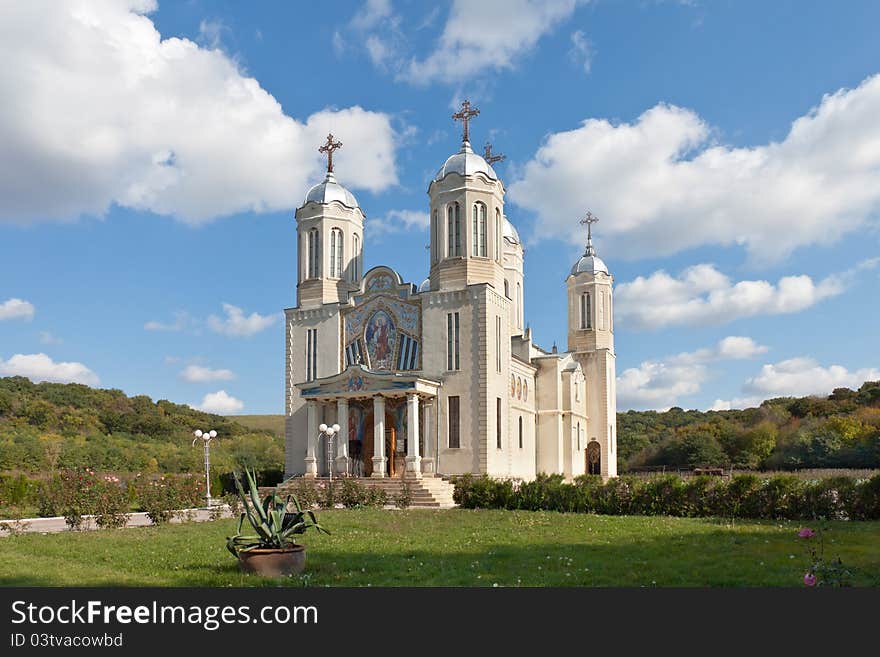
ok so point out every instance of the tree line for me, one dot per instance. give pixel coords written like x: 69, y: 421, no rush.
x: 841, y: 430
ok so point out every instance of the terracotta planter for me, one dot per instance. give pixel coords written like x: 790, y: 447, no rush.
x: 273, y: 562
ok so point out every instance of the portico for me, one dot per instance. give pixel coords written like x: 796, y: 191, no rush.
x: 385, y: 423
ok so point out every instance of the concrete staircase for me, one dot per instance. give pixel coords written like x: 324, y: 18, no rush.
x: 429, y: 492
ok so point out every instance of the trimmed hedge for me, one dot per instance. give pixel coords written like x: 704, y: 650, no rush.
x: 743, y: 496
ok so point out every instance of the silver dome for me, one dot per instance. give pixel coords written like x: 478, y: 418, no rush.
x: 425, y: 286
x: 465, y: 163
x: 328, y: 191
x: 509, y: 232
x: 591, y: 264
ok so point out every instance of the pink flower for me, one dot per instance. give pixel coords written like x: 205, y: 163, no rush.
x: 806, y: 532
x: 809, y: 579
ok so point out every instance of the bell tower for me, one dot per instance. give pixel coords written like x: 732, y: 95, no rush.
x: 330, y: 230
x: 591, y: 340
x: 467, y: 217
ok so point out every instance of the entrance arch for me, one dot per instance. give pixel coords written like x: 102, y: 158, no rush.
x: 368, y: 445
x: 594, y: 458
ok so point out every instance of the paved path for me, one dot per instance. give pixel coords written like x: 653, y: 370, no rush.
x: 140, y: 519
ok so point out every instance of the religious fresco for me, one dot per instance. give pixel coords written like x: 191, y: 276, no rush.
x: 380, y: 336
x: 379, y: 282
x: 383, y: 333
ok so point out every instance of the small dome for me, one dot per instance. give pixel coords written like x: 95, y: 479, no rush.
x: 510, y: 233
x: 465, y: 163
x: 328, y: 191
x: 589, y: 263
x: 425, y: 286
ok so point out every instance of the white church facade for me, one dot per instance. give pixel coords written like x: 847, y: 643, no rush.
x: 442, y: 378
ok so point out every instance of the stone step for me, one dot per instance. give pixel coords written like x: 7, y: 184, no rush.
x: 429, y: 492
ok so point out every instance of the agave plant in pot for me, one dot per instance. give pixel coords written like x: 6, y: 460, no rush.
x: 276, y: 522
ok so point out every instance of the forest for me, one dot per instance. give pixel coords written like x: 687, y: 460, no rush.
x: 841, y: 430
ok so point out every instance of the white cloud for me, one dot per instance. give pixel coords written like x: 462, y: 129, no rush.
x: 47, y: 337
x: 798, y: 377
x: 582, y: 51
x: 237, y: 324
x: 39, y: 367
x: 200, y: 374
x: 489, y: 35
x: 219, y: 402
x: 16, y: 309
x: 662, y: 185
x: 738, y: 402
x: 100, y: 110
x: 396, y: 221
x: 181, y: 321
x: 658, y: 384
x: 371, y: 14
x: 703, y: 295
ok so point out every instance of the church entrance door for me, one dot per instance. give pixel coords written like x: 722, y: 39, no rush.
x: 368, y: 447
x: 594, y: 458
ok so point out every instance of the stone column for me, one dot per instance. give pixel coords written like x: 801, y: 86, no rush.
x: 413, y: 459
x: 311, y: 439
x: 379, y: 459
x: 428, y: 458
x: 342, y: 437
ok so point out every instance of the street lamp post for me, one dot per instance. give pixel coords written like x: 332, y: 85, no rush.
x: 329, y: 431
x: 206, y: 437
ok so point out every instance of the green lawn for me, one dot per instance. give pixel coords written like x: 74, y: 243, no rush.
x: 453, y: 548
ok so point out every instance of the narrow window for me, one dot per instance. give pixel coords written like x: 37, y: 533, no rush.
x: 497, y: 235
x: 498, y: 422
x: 314, y: 254
x: 356, y: 246
x: 453, y: 356
x: 600, y: 321
x: 579, y: 436
x: 519, y: 300
x: 454, y: 230
x: 311, y: 354
x: 480, y: 230
x: 335, y: 253
x: 586, y: 311
x: 520, y: 432
x: 498, y: 343
x: 434, y: 238
x: 454, y: 421
x: 507, y: 288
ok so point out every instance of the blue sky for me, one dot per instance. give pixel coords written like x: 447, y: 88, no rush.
x: 153, y: 155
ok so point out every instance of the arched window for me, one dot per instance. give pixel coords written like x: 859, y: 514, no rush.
x: 480, y: 230
x: 519, y: 299
x: 586, y: 311
x: 435, y: 238
x: 453, y: 221
x: 497, y: 234
x: 335, y: 253
x: 520, y: 432
x: 355, y: 256
x: 314, y: 256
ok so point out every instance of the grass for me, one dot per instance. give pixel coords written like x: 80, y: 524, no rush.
x: 457, y: 547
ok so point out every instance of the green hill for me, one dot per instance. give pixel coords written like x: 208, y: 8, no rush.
x: 47, y: 426
x: 273, y: 423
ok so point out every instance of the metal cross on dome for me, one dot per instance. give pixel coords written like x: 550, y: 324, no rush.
x: 465, y: 114
x: 589, y: 220
x: 487, y: 154
x: 328, y: 148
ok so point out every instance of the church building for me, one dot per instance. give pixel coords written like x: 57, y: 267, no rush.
x: 442, y: 378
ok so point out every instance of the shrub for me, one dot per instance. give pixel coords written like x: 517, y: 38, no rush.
x: 403, y: 500
x: 782, y: 496
x: 163, y: 497
x: 866, y: 505
x: 111, y: 503
x: 305, y: 490
x: 661, y: 496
